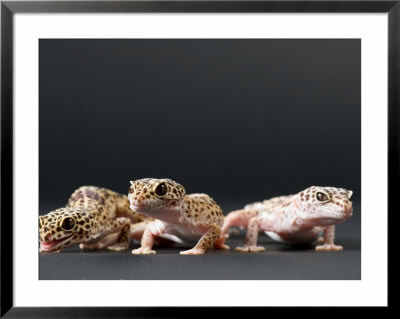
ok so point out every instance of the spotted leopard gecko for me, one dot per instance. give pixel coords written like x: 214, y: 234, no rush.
x: 293, y: 219
x: 94, y: 217
x: 177, y: 216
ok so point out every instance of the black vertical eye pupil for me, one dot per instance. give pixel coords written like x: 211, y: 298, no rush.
x: 161, y: 189
x: 68, y: 223
x: 322, y: 197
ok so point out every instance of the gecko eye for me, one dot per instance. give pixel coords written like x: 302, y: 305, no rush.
x: 68, y: 224
x: 322, y: 197
x: 131, y: 189
x: 161, y: 190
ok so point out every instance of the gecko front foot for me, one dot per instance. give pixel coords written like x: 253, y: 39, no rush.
x: 193, y: 251
x: 250, y: 249
x: 47, y: 251
x: 143, y: 251
x: 93, y: 246
x: 118, y: 247
x: 328, y: 247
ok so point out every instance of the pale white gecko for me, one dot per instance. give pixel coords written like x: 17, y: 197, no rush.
x: 294, y: 219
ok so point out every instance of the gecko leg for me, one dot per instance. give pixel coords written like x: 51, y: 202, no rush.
x: 235, y: 218
x: 153, y: 229
x: 251, y: 237
x: 123, y: 240
x: 137, y: 230
x: 329, y: 236
x: 206, y: 241
x: 117, y: 239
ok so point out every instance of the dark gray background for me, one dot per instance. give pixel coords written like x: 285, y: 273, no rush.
x: 242, y: 120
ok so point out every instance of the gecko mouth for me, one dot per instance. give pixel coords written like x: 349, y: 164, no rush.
x: 53, y: 245
x: 141, y: 207
x: 329, y: 217
x: 137, y: 207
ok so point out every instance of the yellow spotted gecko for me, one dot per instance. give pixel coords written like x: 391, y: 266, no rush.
x: 176, y: 216
x: 94, y: 217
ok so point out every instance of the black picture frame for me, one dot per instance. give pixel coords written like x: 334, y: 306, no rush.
x: 9, y: 8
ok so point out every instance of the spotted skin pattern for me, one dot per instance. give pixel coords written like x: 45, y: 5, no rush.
x: 94, y: 217
x: 294, y: 219
x: 193, y: 217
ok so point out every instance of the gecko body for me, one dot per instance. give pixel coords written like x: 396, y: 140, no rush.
x: 293, y: 219
x: 176, y: 216
x: 94, y: 218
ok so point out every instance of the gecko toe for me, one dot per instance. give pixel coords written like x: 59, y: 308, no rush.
x: 193, y: 251
x: 118, y: 247
x: 328, y: 248
x: 141, y: 251
x: 250, y: 249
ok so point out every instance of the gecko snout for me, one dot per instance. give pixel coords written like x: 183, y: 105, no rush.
x: 139, y: 200
x: 349, y: 194
x: 349, y: 209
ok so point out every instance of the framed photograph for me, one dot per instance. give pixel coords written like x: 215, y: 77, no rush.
x: 192, y: 151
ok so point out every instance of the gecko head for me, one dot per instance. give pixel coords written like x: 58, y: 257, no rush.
x: 324, y: 206
x: 149, y: 194
x: 63, y: 227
